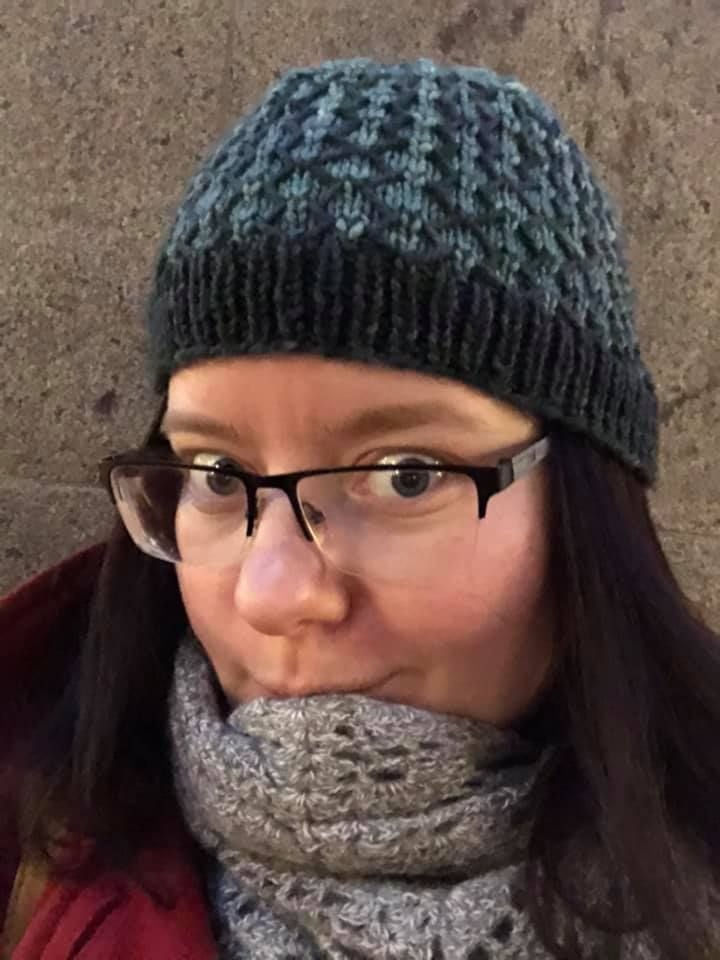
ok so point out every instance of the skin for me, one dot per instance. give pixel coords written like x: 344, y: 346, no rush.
x: 476, y: 641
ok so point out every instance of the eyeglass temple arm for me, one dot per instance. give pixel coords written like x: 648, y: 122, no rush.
x: 522, y: 463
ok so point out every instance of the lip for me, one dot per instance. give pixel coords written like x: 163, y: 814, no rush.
x: 300, y: 692
x: 296, y: 692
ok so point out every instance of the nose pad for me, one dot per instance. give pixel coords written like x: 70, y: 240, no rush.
x: 307, y: 517
x: 266, y: 498
x: 314, y: 516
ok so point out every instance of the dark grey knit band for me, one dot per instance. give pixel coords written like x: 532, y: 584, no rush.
x: 426, y: 217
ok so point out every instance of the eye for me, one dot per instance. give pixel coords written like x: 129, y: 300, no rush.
x: 405, y: 483
x: 219, y: 484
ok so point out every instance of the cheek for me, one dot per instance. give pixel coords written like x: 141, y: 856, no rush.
x: 201, y: 596
x: 208, y: 600
x: 512, y: 550
x: 502, y: 589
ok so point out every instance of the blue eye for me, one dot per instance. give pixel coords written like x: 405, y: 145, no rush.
x: 408, y: 484
x: 219, y: 484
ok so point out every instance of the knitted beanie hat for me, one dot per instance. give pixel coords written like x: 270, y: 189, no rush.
x: 423, y: 216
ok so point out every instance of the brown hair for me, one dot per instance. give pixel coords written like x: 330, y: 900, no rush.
x: 635, y: 702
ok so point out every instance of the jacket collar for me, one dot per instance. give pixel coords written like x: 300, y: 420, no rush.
x: 32, y: 612
x: 32, y: 618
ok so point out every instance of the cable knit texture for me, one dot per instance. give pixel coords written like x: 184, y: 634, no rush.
x: 342, y: 827
x: 417, y: 215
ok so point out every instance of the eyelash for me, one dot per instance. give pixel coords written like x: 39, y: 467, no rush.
x: 186, y: 455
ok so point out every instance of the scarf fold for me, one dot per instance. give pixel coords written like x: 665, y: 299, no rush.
x: 346, y: 827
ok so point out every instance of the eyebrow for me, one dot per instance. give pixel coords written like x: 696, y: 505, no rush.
x: 358, y: 426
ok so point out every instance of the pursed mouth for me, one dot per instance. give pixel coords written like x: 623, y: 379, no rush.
x: 299, y: 691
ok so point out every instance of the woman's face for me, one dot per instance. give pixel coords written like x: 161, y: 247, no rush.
x: 468, y: 632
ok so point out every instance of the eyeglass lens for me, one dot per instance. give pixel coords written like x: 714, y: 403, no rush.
x: 393, y: 525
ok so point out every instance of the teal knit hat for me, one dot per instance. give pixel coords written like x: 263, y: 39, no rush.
x: 422, y: 216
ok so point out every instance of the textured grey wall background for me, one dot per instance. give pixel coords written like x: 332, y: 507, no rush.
x: 105, y: 109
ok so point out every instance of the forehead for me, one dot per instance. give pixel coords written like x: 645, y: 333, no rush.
x: 241, y: 389
x: 291, y: 395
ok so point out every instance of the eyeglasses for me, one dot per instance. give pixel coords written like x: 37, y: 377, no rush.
x: 396, y: 522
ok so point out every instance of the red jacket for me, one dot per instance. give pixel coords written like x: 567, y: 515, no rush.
x: 115, y: 915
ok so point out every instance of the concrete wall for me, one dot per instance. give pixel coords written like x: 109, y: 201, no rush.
x: 105, y: 110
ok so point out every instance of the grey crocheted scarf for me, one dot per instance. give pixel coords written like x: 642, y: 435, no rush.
x: 345, y: 827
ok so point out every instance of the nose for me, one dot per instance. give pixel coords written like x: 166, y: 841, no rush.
x: 285, y: 583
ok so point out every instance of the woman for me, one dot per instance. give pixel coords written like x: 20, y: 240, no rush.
x: 383, y: 658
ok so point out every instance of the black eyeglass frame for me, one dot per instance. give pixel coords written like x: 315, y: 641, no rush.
x: 488, y: 480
